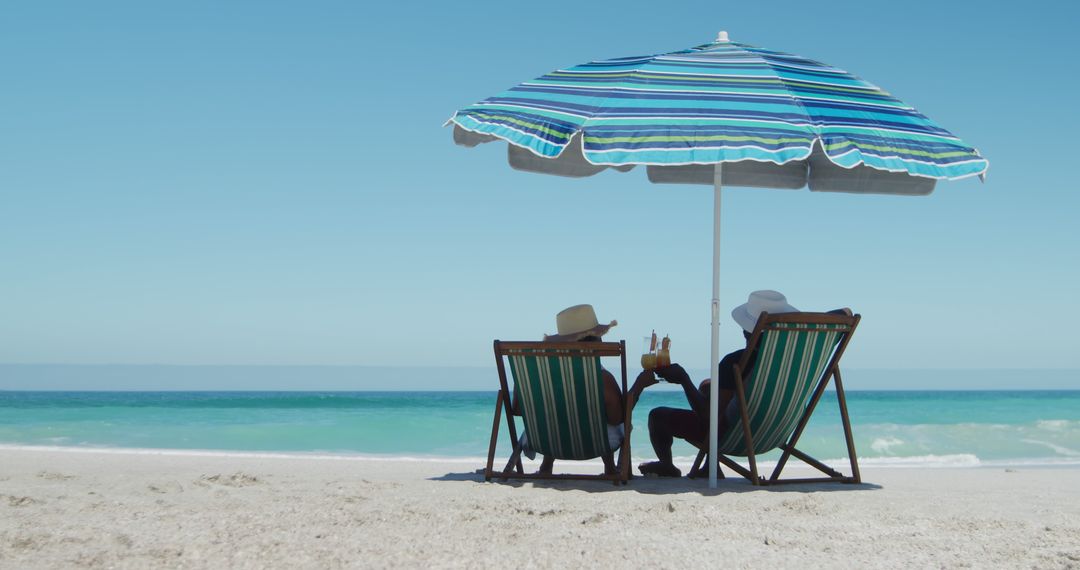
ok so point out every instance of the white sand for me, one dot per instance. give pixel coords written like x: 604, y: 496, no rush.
x: 74, y: 509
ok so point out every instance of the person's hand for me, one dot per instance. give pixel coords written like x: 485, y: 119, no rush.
x: 646, y: 379
x: 673, y: 373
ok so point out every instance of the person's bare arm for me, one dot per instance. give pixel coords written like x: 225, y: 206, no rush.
x: 612, y: 398
x: 675, y: 374
x: 643, y: 380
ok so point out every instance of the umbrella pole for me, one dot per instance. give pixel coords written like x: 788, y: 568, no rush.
x: 714, y: 354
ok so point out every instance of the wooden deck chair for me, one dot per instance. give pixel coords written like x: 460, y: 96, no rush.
x: 560, y: 392
x: 797, y: 355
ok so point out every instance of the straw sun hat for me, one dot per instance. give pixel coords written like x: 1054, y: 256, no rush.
x: 764, y: 301
x: 577, y: 322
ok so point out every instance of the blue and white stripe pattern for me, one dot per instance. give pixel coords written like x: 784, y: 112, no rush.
x: 720, y: 102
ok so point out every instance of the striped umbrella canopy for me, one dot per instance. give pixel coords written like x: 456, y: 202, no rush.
x: 723, y: 113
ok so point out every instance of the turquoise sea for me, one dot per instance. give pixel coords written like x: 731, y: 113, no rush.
x: 902, y: 428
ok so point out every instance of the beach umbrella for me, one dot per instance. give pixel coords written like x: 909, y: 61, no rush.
x: 720, y: 114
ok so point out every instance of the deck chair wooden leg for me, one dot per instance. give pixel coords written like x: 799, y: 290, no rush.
x: 790, y: 449
x: 514, y: 464
x: 726, y: 461
x: 695, y: 470
x: 756, y: 477
x: 622, y: 467
x: 494, y: 437
x: 818, y: 391
x: 629, y: 401
x: 813, y: 462
x: 515, y: 457
x: 507, y: 402
x: 744, y: 417
x: 847, y: 428
x: 781, y: 463
x: 701, y: 454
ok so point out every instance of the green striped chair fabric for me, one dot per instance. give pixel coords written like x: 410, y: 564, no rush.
x: 562, y: 405
x: 791, y: 359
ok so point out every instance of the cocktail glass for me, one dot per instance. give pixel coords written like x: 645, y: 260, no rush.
x: 648, y: 357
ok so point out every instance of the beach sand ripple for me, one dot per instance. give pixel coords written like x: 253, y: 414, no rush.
x: 89, y: 510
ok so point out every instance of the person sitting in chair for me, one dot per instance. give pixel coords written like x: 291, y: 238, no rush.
x: 665, y: 424
x: 579, y: 324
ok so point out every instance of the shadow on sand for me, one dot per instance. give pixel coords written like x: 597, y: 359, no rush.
x: 660, y: 485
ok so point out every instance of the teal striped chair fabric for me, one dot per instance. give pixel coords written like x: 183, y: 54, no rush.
x: 791, y: 359
x: 562, y: 405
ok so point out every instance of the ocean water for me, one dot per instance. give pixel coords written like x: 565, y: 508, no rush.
x: 900, y: 428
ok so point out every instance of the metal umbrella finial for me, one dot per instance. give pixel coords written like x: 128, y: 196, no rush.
x: 722, y: 37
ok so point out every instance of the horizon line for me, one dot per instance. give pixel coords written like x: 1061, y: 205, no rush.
x: 666, y: 388
x: 1017, y: 369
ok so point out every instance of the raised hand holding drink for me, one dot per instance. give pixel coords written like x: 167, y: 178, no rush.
x: 663, y: 356
x: 648, y: 359
x: 657, y: 356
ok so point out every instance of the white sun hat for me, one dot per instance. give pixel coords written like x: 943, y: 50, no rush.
x: 764, y: 301
x: 577, y: 322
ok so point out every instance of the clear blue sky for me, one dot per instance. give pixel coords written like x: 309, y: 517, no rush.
x: 270, y: 183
